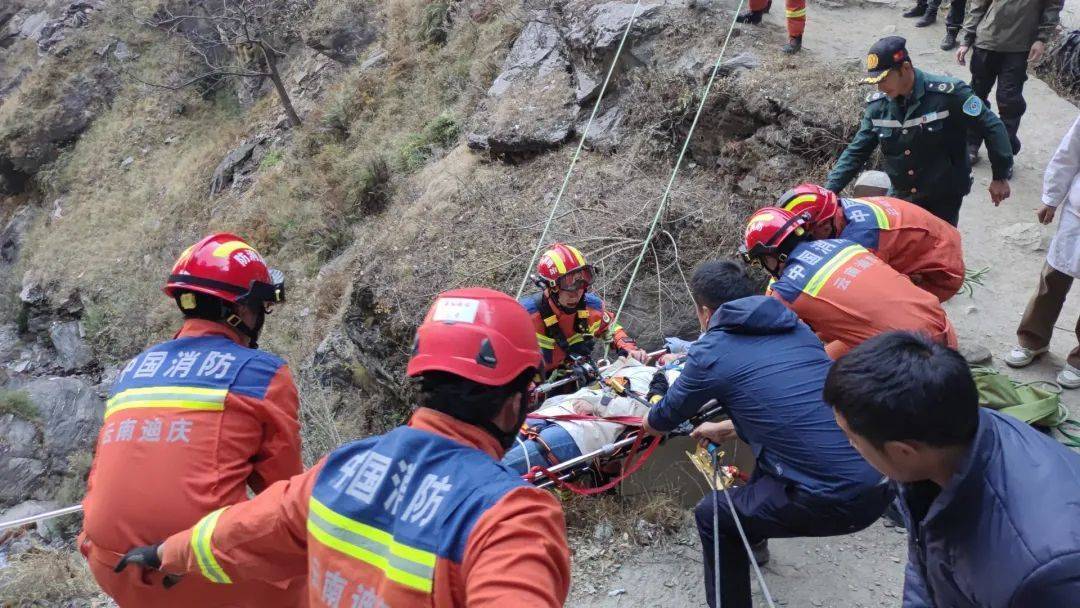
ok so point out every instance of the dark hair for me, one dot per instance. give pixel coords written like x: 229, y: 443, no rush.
x: 718, y: 282
x: 904, y: 386
x: 466, y: 400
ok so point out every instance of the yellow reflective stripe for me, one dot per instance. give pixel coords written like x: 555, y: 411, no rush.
x: 545, y: 342
x: 879, y: 213
x: 204, y: 553
x: 574, y: 339
x: 225, y: 249
x: 796, y: 13
x: 387, y: 550
x: 798, y: 200
x: 182, y: 397
x: 594, y: 327
x: 552, y: 320
x: 560, y: 264
x: 583, y: 314
x: 816, y: 282
x: 580, y: 259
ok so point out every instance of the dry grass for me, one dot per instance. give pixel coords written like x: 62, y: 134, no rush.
x: 43, y: 576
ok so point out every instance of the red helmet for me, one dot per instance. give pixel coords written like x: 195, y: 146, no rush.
x: 479, y: 334
x: 768, y: 232
x: 564, y: 267
x: 819, y: 203
x: 224, y: 266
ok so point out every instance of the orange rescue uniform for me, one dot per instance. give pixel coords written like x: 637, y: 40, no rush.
x: 909, y: 238
x: 591, y: 320
x: 794, y: 10
x: 847, y: 295
x: 422, y: 516
x: 190, y: 425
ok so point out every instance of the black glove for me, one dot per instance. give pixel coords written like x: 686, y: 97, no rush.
x: 658, y: 386
x: 582, y: 349
x: 144, y: 557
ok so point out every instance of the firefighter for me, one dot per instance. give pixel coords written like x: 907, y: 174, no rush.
x: 841, y: 290
x: 905, y: 236
x: 794, y: 10
x: 424, y: 515
x: 191, y: 424
x: 566, y: 315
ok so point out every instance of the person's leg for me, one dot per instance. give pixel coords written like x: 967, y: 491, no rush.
x: 795, y: 10
x: 1037, y: 324
x: 954, y: 20
x: 984, y: 70
x: 930, y: 16
x: 1010, y: 94
x: 754, y: 12
x: 916, y: 11
x: 560, y: 443
x: 1074, y: 354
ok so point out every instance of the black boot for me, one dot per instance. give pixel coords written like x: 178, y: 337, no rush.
x: 794, y: 45
x: 928, y: 19
x: 916, y: 11
x: 949, y: 42
x: 751, y: 17
x: 761, y: 552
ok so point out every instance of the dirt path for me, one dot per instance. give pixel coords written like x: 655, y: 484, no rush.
x: 866, y: 569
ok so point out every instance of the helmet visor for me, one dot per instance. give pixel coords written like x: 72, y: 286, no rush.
x: 266, y: 294
x: 574, y: 280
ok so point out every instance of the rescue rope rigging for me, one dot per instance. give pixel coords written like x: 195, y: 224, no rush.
x: 577, y: 152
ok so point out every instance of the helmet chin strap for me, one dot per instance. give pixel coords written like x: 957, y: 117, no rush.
x: 234, y: 321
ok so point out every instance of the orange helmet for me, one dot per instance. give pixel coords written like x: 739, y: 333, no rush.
x: 819, y: 203
x: 563, y: 267
x: 479, y: 334
x: 770, y: 232
x: 224, y: 266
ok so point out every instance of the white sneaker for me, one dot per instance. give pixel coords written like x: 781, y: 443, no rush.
x: 1020, y: 356
x: 1069, y: 377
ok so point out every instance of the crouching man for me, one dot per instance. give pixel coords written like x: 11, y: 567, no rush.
x: 768, y: 369
x: 992, y: 506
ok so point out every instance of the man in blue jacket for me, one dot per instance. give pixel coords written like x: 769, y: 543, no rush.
x: 768, y: 369
x: 992, y: 506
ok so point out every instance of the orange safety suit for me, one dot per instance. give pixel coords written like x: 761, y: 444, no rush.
x: 847, y: 295
x: 554, y: 326
x: 190, y: 425
x: 424, y: 515
x: 794, y: 10
x: 909, y: 238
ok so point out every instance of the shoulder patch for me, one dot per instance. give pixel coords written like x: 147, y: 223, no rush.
x: 876, y: 95
x: 973, y: 106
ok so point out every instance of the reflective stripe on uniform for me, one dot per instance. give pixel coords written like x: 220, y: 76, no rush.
x: 574, y: 339
x: 816, y: 282
x: 552, y: 320
x: 880, y: 216
x: 795, y: 14
x: 594, y: 327
x: 182, y: 397
x: 545, y: 342
x: 913, y: 122
x: 204, y: 553
x: 408, y: 566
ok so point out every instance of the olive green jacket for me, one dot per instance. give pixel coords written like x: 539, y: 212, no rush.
x: 923, y: 140
x: 1010, y: 26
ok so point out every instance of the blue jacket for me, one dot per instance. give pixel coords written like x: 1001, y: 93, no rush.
x: 768, y: 369
x: 1005, y: 531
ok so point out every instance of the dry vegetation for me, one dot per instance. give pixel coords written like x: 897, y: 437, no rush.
x: 48, y: 577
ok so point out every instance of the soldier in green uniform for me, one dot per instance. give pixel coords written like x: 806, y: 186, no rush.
x: 921, y: 121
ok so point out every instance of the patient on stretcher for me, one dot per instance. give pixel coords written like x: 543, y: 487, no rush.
x: 549, y: 442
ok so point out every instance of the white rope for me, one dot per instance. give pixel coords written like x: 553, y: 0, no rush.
x: 749, y: 550
x: 524, y: 452
x: 577, y: 153
x: 33, y: 519
x: 678, y: 165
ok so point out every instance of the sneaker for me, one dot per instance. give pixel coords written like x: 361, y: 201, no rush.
x: 1069, y: 377
x: 930, y: 18
x: 916, y: 11
x: 1021, y: 357
x: 761, y: 550
x: 948, y: 43
x: 794, y: 44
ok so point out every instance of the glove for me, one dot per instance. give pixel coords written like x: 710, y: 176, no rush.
x: 677, y: 346
x: 144, y: 557
x: 582, y: 349
x: 658, y: 387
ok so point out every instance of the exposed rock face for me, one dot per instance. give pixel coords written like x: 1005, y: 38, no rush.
x: 240, y: 163
x: 72, y: 351
x: 25, y: 148
x: 531, y: 106
x: 35, y: 453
